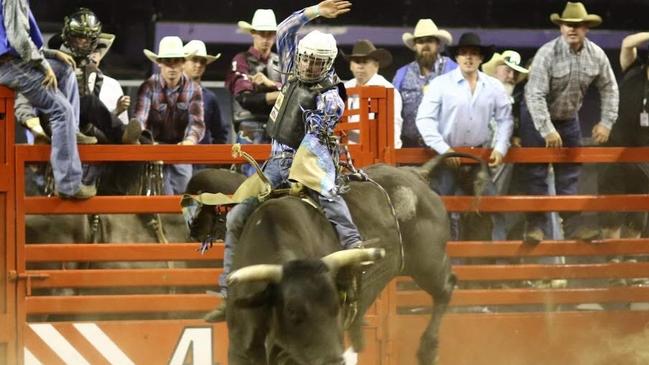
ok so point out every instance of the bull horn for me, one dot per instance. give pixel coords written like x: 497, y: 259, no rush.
x: 262, y: 272
x: 338, y: 259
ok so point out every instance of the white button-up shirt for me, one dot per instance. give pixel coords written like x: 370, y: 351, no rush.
x: 451, y: 116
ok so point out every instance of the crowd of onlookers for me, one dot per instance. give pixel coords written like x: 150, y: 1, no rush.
x: 455, y: 93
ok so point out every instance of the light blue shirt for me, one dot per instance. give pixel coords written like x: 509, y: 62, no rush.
x: 450, y: 116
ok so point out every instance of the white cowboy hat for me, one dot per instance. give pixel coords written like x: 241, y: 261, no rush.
x: 197, y: 49
x: 104, y: 42
x: 509, y: 58
x: 169, y: 47
x: 262, y: 21
x: 426, y: 28
x: 576, y: 13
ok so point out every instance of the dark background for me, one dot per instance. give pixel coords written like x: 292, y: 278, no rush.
x: 133, y: 22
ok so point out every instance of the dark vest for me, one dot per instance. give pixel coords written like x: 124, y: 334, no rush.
x: 270, y: 69
x: 286, y: 124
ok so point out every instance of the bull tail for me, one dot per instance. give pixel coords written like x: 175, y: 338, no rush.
x: 482, y: 178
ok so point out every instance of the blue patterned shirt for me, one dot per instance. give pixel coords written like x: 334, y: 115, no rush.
x: 412, y: 85
x: 329, y: 105
x: 321, y: 120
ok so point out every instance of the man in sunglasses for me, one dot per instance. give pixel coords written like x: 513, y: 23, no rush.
x: 412, y: 79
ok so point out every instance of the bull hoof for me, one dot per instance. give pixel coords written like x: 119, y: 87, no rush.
x: 217, y: 315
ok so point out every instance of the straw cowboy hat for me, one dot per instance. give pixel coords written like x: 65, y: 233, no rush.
x: 509, y: 58
x: 365, y: 48
x: 426, y: 28
x: 576, y: 13
x: 471, y: 40
x: 169, y: 47
x: 197, y: 49
x: 262, y: 21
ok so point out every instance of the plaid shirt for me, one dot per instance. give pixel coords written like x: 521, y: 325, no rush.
x: 173, y: 115
x: 559, y: 78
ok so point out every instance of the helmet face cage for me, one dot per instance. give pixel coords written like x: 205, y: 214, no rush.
x: 312, y: 68
x: 82, y: 24
x: 315, y: 56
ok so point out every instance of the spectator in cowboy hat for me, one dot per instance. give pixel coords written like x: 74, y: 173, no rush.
x: 562, y: 71
x: 170, y: 106
x: 505, y: 67
x: 456, y: 111
x: 254, y: 81
x: 365, y: 62
x: 411, y: 80
x: 216, y: 130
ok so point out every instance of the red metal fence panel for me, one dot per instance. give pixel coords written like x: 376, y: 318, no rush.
x: 541, y: 336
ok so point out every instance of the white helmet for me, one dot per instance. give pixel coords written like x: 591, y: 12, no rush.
x: 315, y: 56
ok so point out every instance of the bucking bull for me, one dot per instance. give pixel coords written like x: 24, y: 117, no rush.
x: 283, y: 305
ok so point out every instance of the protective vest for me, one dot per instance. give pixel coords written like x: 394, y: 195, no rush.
x: 270, y: 69
x: 286, y: 124
x: 89, y: 78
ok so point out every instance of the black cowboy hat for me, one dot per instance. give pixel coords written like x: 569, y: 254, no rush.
x: 472, y: 40
x: 365, y: 49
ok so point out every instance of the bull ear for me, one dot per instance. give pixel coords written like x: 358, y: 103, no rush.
x: 338, y: 259
x: 264, y: 272
x: 258, y: 299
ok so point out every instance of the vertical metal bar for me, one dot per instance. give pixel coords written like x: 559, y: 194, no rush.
x: 388, y: 151
x: 9, y: 323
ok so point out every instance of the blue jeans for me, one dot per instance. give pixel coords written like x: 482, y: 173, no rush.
x: 251, y: 132
x: 64, y: 156
x: 234, y: 223
x: 276, y: 171
x: 175, y: 178
x: 335, y: 208
x: 534, y: 176
x: 67, y: 82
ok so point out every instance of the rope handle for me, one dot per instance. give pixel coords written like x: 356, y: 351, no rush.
x: 238, y: 152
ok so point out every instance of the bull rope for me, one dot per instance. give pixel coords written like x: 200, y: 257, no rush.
x: 393, y: 210
x: 349, y: 164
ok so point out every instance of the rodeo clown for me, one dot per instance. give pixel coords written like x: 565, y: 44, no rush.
x: 301, y: 125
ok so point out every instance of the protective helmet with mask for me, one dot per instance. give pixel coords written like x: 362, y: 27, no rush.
x: 80, y: 32
x: 315, y: 56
